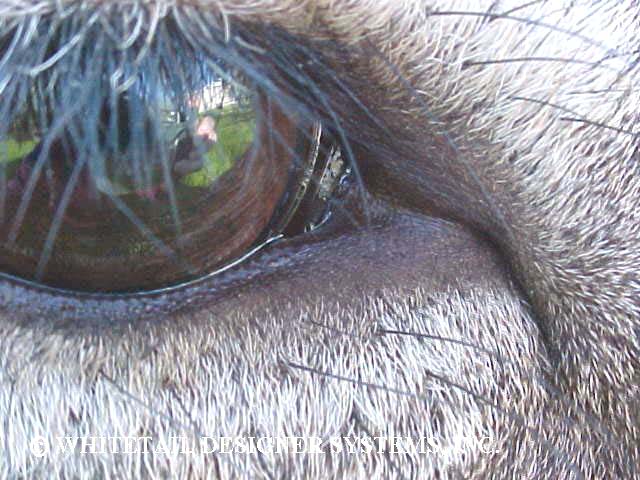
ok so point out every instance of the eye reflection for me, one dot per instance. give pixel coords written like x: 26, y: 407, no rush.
x: 138, y: 194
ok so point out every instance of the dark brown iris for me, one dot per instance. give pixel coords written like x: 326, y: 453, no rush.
x: 69, y: 224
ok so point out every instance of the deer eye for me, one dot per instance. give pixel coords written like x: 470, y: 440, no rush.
x: 149, y: 187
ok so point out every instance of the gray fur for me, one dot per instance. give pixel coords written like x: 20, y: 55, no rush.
x: 524, y: 129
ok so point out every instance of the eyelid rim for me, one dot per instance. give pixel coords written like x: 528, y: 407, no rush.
x: 302, y: 180
x: 141, y: 294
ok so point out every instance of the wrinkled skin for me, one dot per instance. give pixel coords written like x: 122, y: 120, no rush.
x: 504, y: 215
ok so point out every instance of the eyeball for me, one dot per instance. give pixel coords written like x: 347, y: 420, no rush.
x: 144, y: 189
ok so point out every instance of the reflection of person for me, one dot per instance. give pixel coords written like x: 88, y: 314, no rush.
x: 189, y: 154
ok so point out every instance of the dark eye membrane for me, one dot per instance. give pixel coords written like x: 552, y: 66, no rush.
x: 137, y: 179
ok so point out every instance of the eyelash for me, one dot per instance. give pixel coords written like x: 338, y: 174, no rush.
x: 277, y: 73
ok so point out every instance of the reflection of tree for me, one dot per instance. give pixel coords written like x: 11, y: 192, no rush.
x: 224, y: 89
x: 218, y: 94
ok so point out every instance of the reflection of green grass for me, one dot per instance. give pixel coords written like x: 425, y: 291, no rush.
x: 235, y: 128
x: 235, y: 131
x: 10, y: 150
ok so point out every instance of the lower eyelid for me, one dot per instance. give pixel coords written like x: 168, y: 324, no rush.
x: 29, y: 303
x: 35, y: 301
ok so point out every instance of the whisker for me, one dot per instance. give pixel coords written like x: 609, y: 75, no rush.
x: 195, y: 433
x: 528, y: 60
x: 558, y: 395
x: 601, y: 125
x: 578, y: 117
x: 592, y: 421
x: 331, y: 328
x: 544, y: 103
x: 518, y: 8
x: 455, y: 341
x: 519, y: 419
x: 527, y: 21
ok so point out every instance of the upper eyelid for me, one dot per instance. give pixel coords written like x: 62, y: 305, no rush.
x: 25, y: 57
x: 278, y: 74
x: 293, y: 71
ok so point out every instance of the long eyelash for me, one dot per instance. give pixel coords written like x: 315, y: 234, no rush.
x: 58, y: 217
x: 175, y: 33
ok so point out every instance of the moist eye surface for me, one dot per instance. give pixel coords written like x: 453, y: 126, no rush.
x: 161, y: 195
x: 121, y: 175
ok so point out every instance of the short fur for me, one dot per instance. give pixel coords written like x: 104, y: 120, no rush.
x: 516, y: 316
